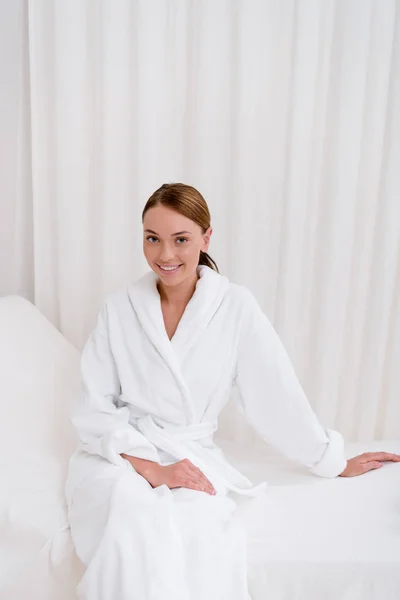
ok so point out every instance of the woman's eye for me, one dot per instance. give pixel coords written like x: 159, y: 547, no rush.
x: 152, y: 239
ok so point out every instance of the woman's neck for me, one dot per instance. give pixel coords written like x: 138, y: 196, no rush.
x: 177, y: 295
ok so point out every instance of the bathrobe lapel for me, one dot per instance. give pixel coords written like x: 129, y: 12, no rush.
x: 209, y: 293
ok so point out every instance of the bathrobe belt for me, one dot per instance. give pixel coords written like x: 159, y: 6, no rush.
x: 183, y: 442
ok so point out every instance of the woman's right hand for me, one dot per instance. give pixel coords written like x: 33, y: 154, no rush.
x: 181, y: 474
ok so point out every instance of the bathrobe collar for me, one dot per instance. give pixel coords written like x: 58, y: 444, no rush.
x: 209, y: 293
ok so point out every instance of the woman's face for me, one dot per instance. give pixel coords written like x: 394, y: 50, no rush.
x: 173, y: 241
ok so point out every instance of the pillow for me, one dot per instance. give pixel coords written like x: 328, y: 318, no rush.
x: 40, y: 380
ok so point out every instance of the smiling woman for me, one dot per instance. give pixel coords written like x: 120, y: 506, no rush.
x: 150, y: 493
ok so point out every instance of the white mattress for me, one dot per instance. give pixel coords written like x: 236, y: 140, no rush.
x: 317, y: 539
x: 309, y: 538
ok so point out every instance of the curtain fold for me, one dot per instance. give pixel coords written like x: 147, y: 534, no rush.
x: 16, y: 230
x: 285, y: 115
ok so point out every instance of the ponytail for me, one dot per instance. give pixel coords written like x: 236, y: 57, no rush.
x: 205, y: 259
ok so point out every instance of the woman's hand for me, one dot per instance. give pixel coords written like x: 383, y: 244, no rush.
x: 366, y: 462
x: 180, y: 474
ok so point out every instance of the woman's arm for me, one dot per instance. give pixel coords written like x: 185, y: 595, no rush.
x: 274, y: 402
x: 103, y: 428
x: 276, y: 406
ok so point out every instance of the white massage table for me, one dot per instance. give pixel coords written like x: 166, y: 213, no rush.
x: 309, y: 538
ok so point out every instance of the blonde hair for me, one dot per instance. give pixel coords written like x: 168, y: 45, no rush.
x: 187, y: 201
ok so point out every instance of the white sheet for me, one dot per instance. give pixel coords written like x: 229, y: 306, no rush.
x: 314, y: 539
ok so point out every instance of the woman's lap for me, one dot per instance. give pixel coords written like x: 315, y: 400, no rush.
x: 114, y: 507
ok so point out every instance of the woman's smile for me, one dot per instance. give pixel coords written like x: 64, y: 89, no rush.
x: 168, y: 269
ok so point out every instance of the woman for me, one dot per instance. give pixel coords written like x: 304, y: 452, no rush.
x: 150, y: 495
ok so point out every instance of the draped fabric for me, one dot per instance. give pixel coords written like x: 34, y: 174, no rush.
x: 284, y: 114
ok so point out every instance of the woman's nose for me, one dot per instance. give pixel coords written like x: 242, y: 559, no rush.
x: 166, y: 253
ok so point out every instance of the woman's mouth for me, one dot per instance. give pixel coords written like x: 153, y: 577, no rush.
x: 168, y: 269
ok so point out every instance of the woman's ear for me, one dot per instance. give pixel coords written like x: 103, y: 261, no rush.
x: 206, y: 239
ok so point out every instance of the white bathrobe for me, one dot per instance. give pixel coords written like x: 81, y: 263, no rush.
x: 159, y: 399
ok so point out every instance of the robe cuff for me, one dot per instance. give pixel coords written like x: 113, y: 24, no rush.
x: 333, y: 461
x: 121, y: 442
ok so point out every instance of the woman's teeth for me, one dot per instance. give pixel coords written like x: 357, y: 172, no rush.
x: 169, y: 268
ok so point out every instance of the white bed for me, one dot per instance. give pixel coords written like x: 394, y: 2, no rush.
x: 309, y: 538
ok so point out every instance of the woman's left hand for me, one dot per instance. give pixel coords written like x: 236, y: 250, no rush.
x: 366, y: 462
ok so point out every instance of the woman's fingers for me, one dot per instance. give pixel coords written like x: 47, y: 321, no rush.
x: 373, y: 464
x: 192, y: 484
x: 195, y: 474
x: 198, y: 474
x: 204, y: 484
x: 376, y: 456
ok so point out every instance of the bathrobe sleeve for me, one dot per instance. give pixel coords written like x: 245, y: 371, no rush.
x: 274, y: 402
x: 103, y: 428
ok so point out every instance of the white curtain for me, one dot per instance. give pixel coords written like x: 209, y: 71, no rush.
x: 285, y: 114
x: 16, y: 231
